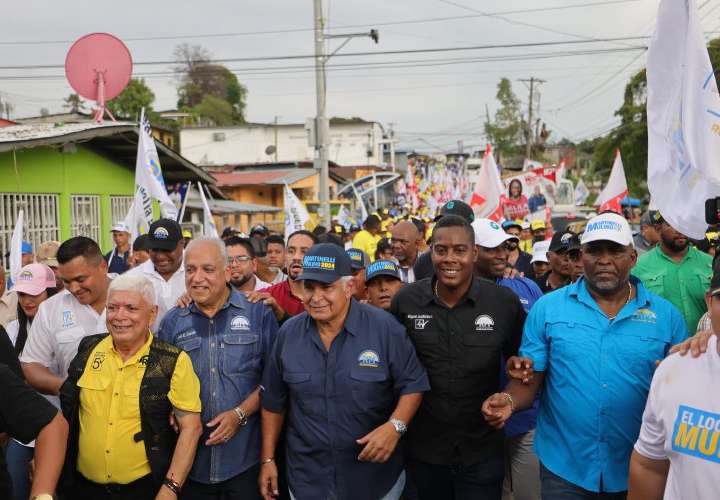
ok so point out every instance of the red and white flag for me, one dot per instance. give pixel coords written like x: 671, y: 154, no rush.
x: 488, y: 190
x: 616, y: 188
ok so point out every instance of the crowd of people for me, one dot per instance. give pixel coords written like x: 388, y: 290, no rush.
x: 454, y: 358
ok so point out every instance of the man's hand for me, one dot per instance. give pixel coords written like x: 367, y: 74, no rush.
x: 184, y: 301
x: 696, y: 345
x: 174, y: 423
x: 379, y: 444
x: 227, y: 425
x: 497, y: 409
x: 520, y: 369
x: 268, y: 300
x: 268, y: 481
x: 165, y: 493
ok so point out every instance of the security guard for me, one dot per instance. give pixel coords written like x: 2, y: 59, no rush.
x: 227, y: 339
x: 460, y: 325
x: 347, y: 378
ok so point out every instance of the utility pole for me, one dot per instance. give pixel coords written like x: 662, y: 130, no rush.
x: 528, y: 146
x: 276, y: 138
x: 321, y: 122
x: 320, y: 118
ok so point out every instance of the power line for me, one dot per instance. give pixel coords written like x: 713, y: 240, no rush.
x: 347, y: 26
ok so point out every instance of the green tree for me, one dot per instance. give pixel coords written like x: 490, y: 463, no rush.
x: 504, y: 131
x: 74, y: 103
x: 216, y: 110
x: 127, y: 105
x: 199, y: 78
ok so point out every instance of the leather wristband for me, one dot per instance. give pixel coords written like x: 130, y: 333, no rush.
x: 172, y: 485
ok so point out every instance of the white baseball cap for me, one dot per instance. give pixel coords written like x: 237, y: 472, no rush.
x: 489, y: 234
x: 608, y: 227
x: 540, y: 250
x: 121, y: 227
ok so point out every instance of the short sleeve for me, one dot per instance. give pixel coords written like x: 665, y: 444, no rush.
x: 29, y: 413
x: 273, y: 391
x: 651, y: 441
x: 409, y: 376
x: 185, y: 386
x: 39, y: 347
x: 534, y: 340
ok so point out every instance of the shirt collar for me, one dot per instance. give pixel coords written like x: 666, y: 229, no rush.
x: 235, y: 299
x: 580, y: 291
x: 353, y: 321
x: 472, y: 294
x: 689, y: 255
x: 135, y: 357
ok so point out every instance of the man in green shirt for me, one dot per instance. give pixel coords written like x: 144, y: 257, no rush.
x: 677, y: 272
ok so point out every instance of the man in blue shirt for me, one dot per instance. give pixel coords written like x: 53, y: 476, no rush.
x: 593, y: 344
x: 522, y: 476
x: 346, y: 376
x: 117, y: 258
x: 228, y: 339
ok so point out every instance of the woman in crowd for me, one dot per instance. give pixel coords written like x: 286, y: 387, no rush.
x: 515, y: 205
x: 34, y: 284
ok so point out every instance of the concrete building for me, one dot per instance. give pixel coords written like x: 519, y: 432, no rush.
x: 353, y: 143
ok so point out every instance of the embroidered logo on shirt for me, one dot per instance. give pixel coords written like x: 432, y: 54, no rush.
x: 696, y: 433
x: 644, y: 315
x: 144, y: 360
x: 68, y: 319
x: 98, y: 360
x: 240, y: 323
x: 369, y: 359
x: 185, y: 334
x: 484, y: 323
x: 420, y: 320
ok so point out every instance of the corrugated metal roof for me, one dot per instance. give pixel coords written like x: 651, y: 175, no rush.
x: 39, y: 131
x: 267, y: 177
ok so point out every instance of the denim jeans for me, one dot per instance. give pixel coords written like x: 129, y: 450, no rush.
x: 18, y: 457
x: 480, y: 481
x: 556, y: 488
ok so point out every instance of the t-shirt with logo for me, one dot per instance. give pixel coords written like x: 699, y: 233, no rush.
x: 681, y: 423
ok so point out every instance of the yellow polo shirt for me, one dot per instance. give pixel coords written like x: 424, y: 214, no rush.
x: 110, y: 411
x: 366, y: 242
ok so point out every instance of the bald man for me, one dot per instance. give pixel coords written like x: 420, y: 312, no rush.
x: 405, y: 241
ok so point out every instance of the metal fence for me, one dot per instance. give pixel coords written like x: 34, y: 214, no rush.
x: 86, y: 216
x: 119, y: 206
x: 41, y: 220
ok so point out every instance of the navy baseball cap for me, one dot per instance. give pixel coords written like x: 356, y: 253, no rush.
x: 459, y: 208
x: 326, y: 263
x: 164, y: 234
x: 358, y: 258
x: 561, y: 241
x: 382, y: 268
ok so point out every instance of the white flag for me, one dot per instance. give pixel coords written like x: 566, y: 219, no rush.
x: 683, y: 115
x: 560, y: 172
x: 149, y: 183
x: 209, y: 228
x: 16, y: 247
x: 343, y: 217
x: 616, y: 188
x: 489, y: 189
x: 296, y: 215
x: 581, y: 193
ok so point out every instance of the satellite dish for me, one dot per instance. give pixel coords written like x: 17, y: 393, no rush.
x: 98, y: 67
x: 270, y: 150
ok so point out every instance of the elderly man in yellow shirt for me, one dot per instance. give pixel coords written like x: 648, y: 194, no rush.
x: 118, y: 398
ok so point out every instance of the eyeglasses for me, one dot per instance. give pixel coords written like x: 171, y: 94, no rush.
x: 239, y: 259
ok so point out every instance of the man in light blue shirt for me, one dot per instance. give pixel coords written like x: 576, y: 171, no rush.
x: 593, y: 344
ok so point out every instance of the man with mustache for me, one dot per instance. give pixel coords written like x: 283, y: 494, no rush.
x: 592, y: 347
x: 677, y: 272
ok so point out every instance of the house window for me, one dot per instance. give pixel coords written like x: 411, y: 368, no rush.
x: 86, y: 216
x: 120, y: 206
x: 41, y: 220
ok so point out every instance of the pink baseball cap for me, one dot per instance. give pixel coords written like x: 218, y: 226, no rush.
x: 34, y: 279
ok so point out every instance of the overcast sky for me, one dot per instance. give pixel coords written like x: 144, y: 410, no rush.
x: 440, y: 99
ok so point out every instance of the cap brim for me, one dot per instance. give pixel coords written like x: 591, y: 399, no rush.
x: 50, y: 262
x: 496, y: 242
x: 539, y: 259
x: 29, y: 288
x: 321, y: 277
x: 162, y: 244
x: 382, y: 273
x: 603, y: 237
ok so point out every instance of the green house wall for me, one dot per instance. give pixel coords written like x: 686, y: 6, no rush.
x: 83, y: 172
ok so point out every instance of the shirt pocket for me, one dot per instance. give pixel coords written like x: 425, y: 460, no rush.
x: 639, y: 350
x: 192, y: 346
x: 239, y: 352
x: 130, y: 402
x: 301, y: 392
x: 94, y: 390
x: 570, y: 340
x: 68, y: 341
x: 655, y: 283
x: 480, y: 351
x: 370, y: 389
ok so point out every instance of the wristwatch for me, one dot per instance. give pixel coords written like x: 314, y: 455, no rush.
x: 241, y: 415
x: 43, y: 496
x: 399, y: 425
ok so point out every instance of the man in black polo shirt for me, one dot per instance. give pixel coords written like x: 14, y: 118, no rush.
x: 559, y: 260
x: 460, y: 326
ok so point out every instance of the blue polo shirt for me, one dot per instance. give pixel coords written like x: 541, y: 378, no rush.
x: 228, y: 353
x: 528, y: 292
x: 597, y: 377
x: 338, y: 396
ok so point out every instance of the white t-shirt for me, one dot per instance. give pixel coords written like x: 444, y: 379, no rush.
x: 682, y: 423
x: 167, y: 292
x: 59, y: 325
x: 260, y: 284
